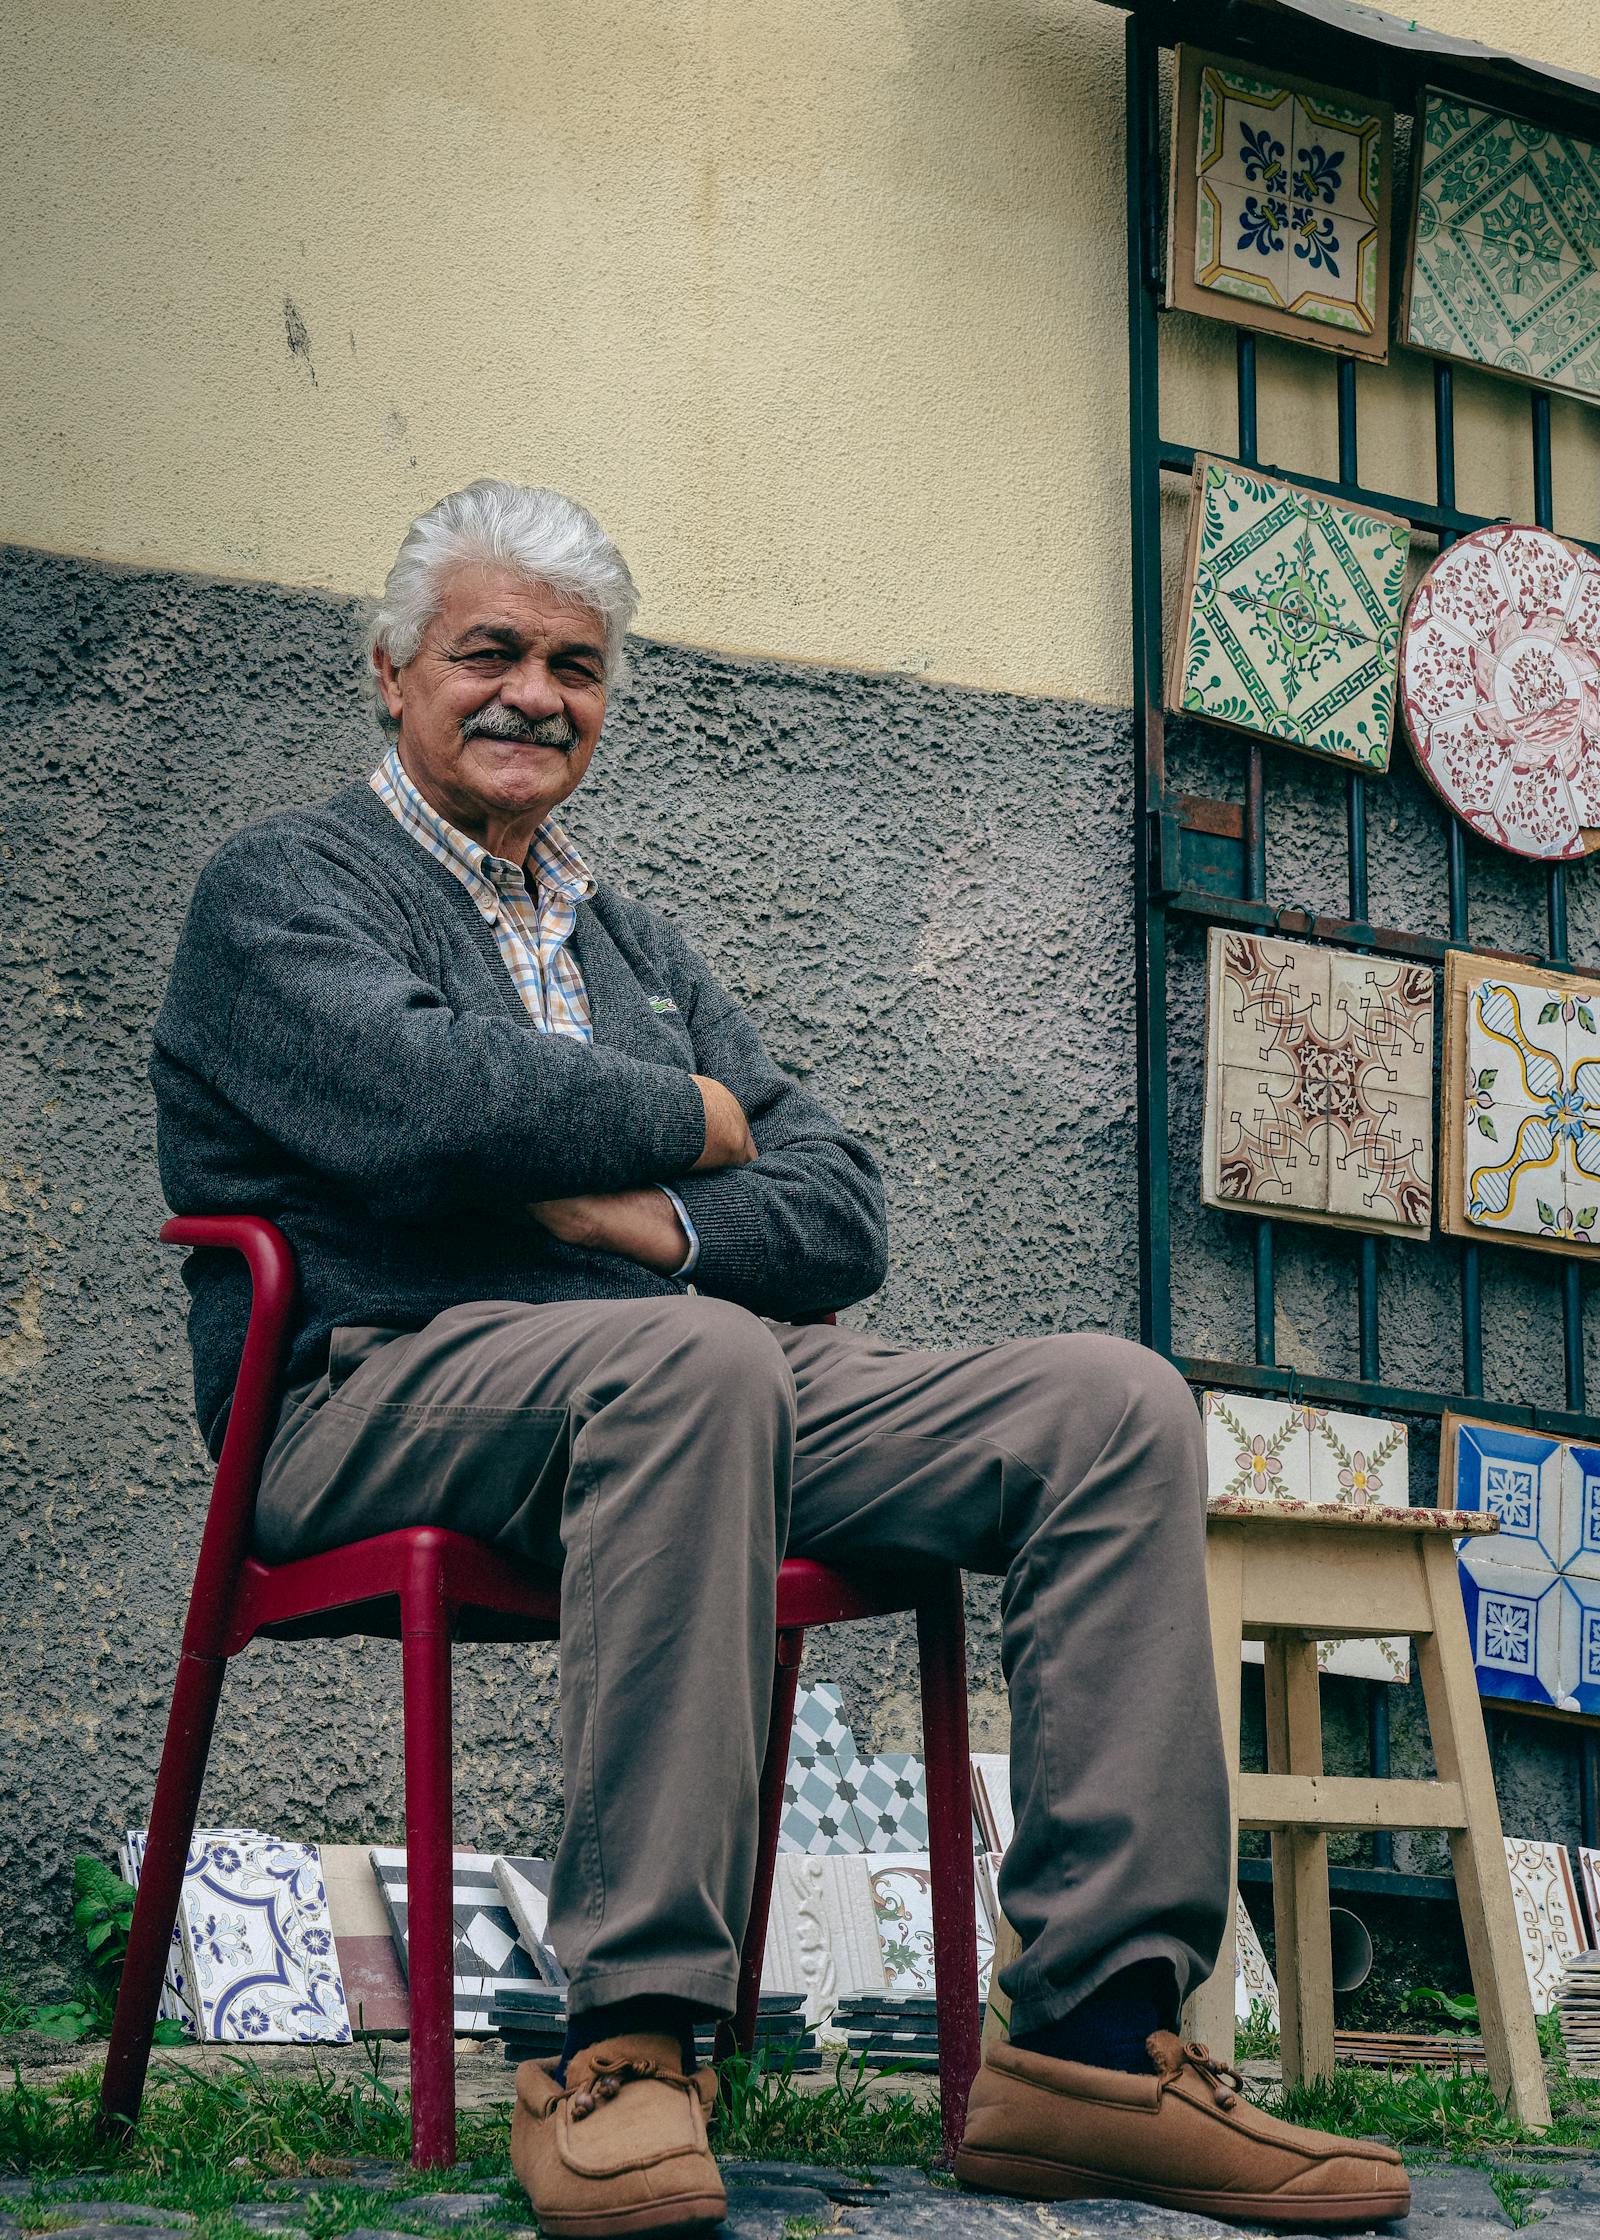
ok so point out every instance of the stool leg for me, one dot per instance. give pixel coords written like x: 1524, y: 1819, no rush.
x: 1208, y: 2014
x: 1299, y: 1866
x: 430, y: 1926
x: 774, y: 1767
x: 195, y: 1693
x: 1483, y: 1886
x: 942, y: 1657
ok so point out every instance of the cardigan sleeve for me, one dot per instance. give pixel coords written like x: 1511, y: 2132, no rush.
x: 294, y: 997
x: 803, y: 1229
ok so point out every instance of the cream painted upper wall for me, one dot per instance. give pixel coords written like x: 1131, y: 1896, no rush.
x: 819, y: 303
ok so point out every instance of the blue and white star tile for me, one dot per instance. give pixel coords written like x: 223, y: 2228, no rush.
x: 1519, y: 1478
x: 1580, y: 1660
x: 1514, y: 1622
x: 1581, y: 1514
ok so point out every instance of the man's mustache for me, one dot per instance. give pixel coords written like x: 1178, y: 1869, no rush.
x: 497, y: 721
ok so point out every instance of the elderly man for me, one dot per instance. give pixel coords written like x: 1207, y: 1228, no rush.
x: 556, y: 1212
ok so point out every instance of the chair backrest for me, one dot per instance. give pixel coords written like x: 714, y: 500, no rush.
x: 252, y: 1416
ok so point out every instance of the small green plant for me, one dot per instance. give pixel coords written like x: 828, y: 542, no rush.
x: 1461, y: 2008
x: 1257, y: 2039
x: 103, y: 1916
x: 68, y: 2019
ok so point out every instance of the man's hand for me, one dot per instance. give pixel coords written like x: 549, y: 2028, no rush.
x: 729, y: 1142
x: 640, y: 1225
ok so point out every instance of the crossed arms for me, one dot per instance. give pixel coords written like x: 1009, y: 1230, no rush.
x: 304, y: 1001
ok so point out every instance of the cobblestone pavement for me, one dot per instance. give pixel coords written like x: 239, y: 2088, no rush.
x: 792, y: 2201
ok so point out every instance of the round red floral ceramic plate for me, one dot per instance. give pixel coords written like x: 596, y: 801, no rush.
x: 1500, y: 684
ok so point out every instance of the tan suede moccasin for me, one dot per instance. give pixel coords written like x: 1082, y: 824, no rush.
x: 622, y: 2147
x: 1185, y: 2138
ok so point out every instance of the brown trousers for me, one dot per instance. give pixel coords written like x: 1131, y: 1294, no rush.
x: 666, y: 1453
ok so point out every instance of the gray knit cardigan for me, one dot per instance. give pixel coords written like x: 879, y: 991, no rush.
x: 341, y: 1048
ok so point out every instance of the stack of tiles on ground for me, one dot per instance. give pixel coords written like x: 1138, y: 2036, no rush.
x: 1532, y: 1592
x: 1521, y: 1124
x: 1267, y: 1450
x: 1319, y: 1085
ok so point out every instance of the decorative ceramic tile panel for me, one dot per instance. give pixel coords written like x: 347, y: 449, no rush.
x: 1545, y: 1560
x: 902, y: 1897
x: 1356, y: 1461
x: 1253, y: 1979
x: 1504, y: 269
x: 1290, y: 615
x: 1549, y: 1915
x: 1517, y: 1476
x: 1266, y: 1450
x: 891, y: 1803
x: 1280, y: 204
x: 1521, y: 1105
x: 822, y: 1778
x: 1588, y: 1862
x: 488, y: 1958
x: 822, y: 1932
x: 1500, y: 688
x: 374, y: 1988
x: 258, y: 1943
x: 525, y: 1886
x: 1256, y: 1447
x: 1514, y: 1623
x: 991, y: 1799
x: 1319, y: 1084
x: 178, y: 2002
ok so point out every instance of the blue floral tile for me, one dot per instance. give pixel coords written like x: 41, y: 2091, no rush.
x: 1580, y: 1662
x: 1514, y: 1622
x: 1518, y: 1478
x: 258, y: 1943
x: 1580, y: 1516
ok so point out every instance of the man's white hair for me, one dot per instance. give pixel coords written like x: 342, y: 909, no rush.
x: 548, y: 539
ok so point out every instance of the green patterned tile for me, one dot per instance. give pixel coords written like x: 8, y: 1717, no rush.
x: 1505, y: 262
x: 1291, y: 619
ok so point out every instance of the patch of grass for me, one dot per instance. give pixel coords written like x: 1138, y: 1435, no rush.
x: 1452, y: 2111
x: 764, y: 2117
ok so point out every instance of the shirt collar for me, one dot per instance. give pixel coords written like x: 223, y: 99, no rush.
x: 556, y: 862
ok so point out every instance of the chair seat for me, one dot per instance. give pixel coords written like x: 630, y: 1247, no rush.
x: 358, y: 1589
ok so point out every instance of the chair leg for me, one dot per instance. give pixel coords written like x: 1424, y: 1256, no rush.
x: 774, y: 1767
x: 1483, y: 1887
x: 195, y: 1694
x: 1299, y: 1867
x: 430, y: 1932
x: 942, y: 1658
x: 1208, y: 2013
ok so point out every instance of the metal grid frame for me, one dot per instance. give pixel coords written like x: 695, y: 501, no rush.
x: 1206, y: 861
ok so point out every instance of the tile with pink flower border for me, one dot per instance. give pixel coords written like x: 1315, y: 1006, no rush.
x: 1358, y: 1462
x: 1256, y: 1449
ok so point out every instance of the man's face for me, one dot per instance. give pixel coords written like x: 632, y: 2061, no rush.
x: 501, y: 707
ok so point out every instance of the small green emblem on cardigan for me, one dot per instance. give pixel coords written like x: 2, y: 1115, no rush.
x: 662, y: 1003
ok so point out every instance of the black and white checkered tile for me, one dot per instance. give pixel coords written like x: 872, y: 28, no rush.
x: 488, y: 1957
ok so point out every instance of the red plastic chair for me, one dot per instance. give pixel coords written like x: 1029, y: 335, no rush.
x: 431, y: 1585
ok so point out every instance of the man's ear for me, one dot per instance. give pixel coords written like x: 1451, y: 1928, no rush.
x: 388, y: 681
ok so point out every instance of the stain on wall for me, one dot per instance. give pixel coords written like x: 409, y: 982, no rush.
x: 922, y: 893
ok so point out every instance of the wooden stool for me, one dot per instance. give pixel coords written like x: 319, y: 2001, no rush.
x: 1289, y: 1575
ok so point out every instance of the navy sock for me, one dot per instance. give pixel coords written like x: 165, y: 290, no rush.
x: 1108, y: 2029
x: 625, y: 2018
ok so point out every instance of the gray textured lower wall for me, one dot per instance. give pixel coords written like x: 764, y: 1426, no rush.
x: 923, y: 895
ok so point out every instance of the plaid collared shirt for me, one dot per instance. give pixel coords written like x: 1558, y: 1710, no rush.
x: 532, y: 929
